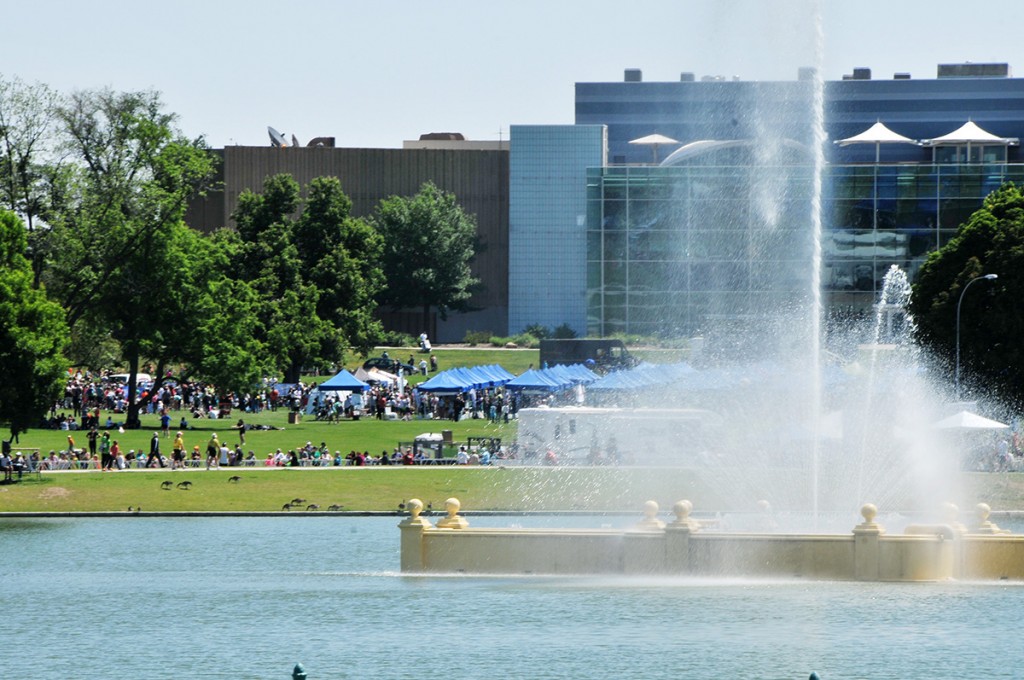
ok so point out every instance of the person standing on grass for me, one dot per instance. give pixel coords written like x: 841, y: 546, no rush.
x: 154, y: 451
x: 178, y: 452
x: 115, y: 451
x: 106, y: 460
x: 92, y: 436
x: 212, y: 451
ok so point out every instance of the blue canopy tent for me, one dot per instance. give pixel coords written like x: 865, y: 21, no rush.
x: 534, y: 381
x: 619, y: 380
x: 447, y: 382
x: 343, y: 382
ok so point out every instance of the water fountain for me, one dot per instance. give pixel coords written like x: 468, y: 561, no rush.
x: 798, y: 446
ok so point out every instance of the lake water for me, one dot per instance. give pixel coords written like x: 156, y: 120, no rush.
x: 249, y: 597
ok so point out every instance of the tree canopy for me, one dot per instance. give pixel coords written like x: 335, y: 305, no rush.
x: 32, y: 336
x: 316, y: 275
x: 991, y: 325
x: 120, y: 257
x: 429, y: 243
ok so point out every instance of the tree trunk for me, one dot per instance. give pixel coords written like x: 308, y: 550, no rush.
x: 293, y: 373
x: 131, y: 420
x: 426, y: 322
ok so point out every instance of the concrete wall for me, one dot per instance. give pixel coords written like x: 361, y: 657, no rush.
x: 680, y: 549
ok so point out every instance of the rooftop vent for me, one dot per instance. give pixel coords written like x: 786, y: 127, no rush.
x: 325, y: 142
x: 634, y: 75
x: 686, y: 77
x: 442, y: 137
x: 861, y: 73
x: 901, y: 76
x: 969, y: 70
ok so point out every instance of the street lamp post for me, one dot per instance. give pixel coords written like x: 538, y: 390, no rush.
x: 956, y: 374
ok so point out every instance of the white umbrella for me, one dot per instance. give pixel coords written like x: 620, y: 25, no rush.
x: 654, y: 140
x: 965, y: 420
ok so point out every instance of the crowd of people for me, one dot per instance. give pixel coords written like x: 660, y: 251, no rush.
x: 91, y: 403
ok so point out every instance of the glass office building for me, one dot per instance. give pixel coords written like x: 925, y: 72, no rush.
x: 681, y: 250
x: 547, y: 222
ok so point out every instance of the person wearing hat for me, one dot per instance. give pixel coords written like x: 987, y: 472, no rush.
x: 154, y: 451
x: 178, y: 452
x: 212, y: 451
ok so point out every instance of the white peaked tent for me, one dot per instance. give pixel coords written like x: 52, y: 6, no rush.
x: 970, y: 134
x: 878, y: 134
x: 965, y: 420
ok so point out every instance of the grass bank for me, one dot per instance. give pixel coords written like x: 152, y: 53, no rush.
x: 383, y: 489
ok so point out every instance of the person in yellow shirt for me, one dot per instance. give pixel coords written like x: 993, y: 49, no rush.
x: 178, y: 452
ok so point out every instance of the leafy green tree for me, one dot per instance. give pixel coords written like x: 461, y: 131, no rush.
x: 316, y: 275
x: 32, y: 336
x: 115, y: 258
x: 429, y: 243
x: 991, y: 325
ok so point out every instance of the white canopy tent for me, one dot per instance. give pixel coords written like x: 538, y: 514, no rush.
x: 967, y: 135
x: 878, y: 134
x: 965, y: 420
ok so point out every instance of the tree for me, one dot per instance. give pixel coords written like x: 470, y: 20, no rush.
x: 316, y: 275
x: 27, y: 120
x: 116, y: 259
x: 30, y: 172
x: 32, y: 336
x: 429, y: 243
x: 991, y: 325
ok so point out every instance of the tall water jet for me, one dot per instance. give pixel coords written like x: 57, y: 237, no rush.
x: 818, y: 148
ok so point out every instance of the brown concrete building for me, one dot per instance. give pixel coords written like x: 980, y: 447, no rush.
x: 476, y: 172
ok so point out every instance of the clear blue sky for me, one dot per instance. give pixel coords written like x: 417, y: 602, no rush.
x: 373, y: 73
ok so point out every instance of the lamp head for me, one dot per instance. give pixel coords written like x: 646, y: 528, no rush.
x: 991, y: 277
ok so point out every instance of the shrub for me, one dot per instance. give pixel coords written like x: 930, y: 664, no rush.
x: 397, y: 339
x: 563, y: 332
x: 539, y: 331
x: 522, y: 340
x: 475, y: 338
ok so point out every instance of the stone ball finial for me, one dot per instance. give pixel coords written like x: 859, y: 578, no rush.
x: 453, y: 521
x: 983, y: 510
x: 868, y: 511
x: 950, y: 511
x: 764, y: 506
x: 682, y: 510
x: 415, y: 507
x: 650, y: 520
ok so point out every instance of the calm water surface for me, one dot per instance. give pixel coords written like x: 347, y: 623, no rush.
x: 248, y: 597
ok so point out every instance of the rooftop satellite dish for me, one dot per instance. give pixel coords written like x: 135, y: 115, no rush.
x: 276, y: 138
x: 295, y: 142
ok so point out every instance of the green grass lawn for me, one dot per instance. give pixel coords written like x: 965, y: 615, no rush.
x: 511, y: 488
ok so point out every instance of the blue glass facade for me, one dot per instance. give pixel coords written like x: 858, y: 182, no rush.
x: 547, y: 222
x: 685, y: 250
x: 689, y: 111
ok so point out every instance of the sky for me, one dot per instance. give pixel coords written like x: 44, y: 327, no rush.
x: 372, y: 74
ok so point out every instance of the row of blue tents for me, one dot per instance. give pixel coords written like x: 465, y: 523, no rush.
x: 556, y: 378
x: 552, y: 379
